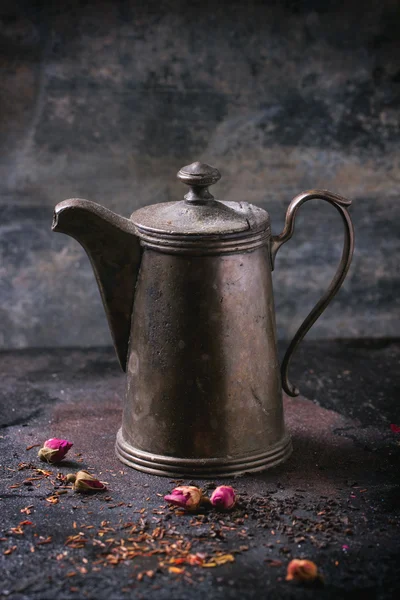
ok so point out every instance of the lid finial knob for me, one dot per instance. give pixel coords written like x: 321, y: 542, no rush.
x: 199, y: 176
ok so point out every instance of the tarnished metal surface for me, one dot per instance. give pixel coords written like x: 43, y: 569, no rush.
x: 341, y: 205
x: 200, y: 216
x: 203, y: 374
x: 199, y: 176
x: 114, y: 252
x: 203, y: 385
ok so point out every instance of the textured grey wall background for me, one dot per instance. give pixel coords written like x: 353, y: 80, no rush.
x: 107, y: 100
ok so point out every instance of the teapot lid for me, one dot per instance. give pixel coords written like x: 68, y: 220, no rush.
x: 200, y: 214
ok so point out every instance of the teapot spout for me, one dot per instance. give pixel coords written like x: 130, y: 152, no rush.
x: 115, y: 254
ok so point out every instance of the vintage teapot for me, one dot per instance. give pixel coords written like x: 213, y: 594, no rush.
x: 188, y: 294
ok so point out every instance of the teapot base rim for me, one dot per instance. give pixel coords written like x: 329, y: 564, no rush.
x: 202, y: 468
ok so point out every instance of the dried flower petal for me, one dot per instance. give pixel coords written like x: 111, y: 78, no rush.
x: 176, y: 570
x: 47, y: 455
x: 185, y: 496
x: 223, y: 497
x: 302, y: 570
x: 85, y: 482
x: 218, y: 560
x: 395, y: 428
x: 54, y: 450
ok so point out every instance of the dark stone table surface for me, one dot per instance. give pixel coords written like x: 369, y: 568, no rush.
x: 335, y: 501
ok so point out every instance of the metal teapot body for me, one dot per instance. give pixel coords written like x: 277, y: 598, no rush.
x: 188, y: 292
x: 203, y: 382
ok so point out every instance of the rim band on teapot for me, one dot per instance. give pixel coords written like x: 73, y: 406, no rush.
x: 200, y: 245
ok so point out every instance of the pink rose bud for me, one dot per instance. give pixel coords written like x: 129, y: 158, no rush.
x: 302, y: 570
x: 223, y: 497
x: 85, y: 482
x: 54, y: 450
x: 185, y: 496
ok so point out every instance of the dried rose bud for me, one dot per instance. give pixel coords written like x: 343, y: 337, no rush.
x: 185, y: 496
x: 395, y: 428
x: 70, y: 478
x: 54, y: 450
x: 223, y: 497
x: 85, y: 482
x: 302, y: 570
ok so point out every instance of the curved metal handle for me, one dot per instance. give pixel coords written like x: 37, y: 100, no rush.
x: 340, y: 204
